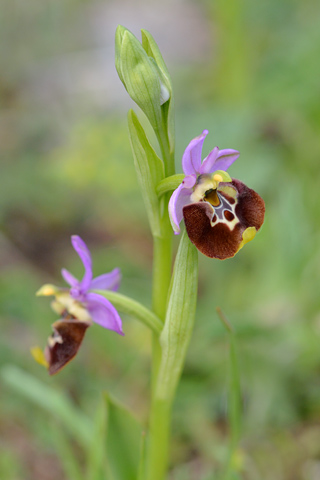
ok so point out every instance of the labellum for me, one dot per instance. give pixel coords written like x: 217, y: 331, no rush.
x: 224, y: 217
x: 64, y: 343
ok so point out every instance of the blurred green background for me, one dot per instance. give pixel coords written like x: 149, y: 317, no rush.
x: 249, y: 73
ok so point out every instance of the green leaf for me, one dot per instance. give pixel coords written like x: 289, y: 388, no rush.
x: 152, y: 50
x: 97, y: 466
x: 118, y: 42
x: 142, y: 463
x: 68, y: 459
x: 177, y: 331
x: 169, y: 184
x: 54, y: 402
x: 149, y: 169
x: 123, y: 441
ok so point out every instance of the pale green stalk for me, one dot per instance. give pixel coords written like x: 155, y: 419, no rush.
x: 159, y: 421
x: 167, y: 152
x: 174, y: 341
x: 159, y: 418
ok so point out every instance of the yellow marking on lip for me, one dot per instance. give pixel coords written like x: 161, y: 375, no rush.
x: 217, y: 177
x: 247, y: 236
x: 47, y: 290
x: 39, y: 357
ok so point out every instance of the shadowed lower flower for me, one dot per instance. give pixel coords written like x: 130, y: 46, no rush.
x: 78, y: 308
x: 220, y: 214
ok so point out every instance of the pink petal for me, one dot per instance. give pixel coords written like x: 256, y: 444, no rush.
x: 225, y: 159
x: 180, y: 198
x: 103, y: 312
x: 208, y: 165
x: 107, y: 281
x: 191, y: 159
x: 69, y: 278
x: 84, y: 253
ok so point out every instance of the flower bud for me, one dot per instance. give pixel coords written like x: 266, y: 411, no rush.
x: 153, y: 52
x: 141, y: 76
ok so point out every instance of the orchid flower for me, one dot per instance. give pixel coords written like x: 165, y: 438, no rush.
x: 78, y: 308
x: 220, y: 214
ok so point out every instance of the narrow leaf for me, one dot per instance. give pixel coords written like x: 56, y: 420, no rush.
x: 123, y: 441
x: 54, y: 402
x: 118, y: 42
x: 153, y: 51
x: 142, y: 463
x: 149, y: 169
x: 63, y: 447
x: 96, y: 453
x: 178, y: 327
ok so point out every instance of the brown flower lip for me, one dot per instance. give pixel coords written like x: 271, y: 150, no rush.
x: 64, y: 343
x: 217, y: 232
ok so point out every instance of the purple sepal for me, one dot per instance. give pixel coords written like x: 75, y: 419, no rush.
x: 225, y: 159
x: 69, y: 278
x: 99, y: 308
x: 84, y: 254
x: 191, y: 159
x: 107, y: 281
x: 103, y: 312
x: 179, y: 199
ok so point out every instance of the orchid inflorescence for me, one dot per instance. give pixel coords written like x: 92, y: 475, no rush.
x: 221, y: 215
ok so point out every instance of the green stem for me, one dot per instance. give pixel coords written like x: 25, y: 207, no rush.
x: 162, y: 260
x: 167, y: 154
x: 160, y: 422
x: 159, y: 413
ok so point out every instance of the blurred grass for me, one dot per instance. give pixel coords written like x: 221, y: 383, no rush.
x: 68, y: 169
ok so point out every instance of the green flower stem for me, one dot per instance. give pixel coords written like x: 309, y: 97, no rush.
x: 174, y: 341
x: 167, y: 153
x: 159, y: 421
x: 169, y: 184
x: 162, y: 261
x: 132, y: 307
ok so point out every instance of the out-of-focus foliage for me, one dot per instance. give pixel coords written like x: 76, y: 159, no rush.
x: 67, y: 169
